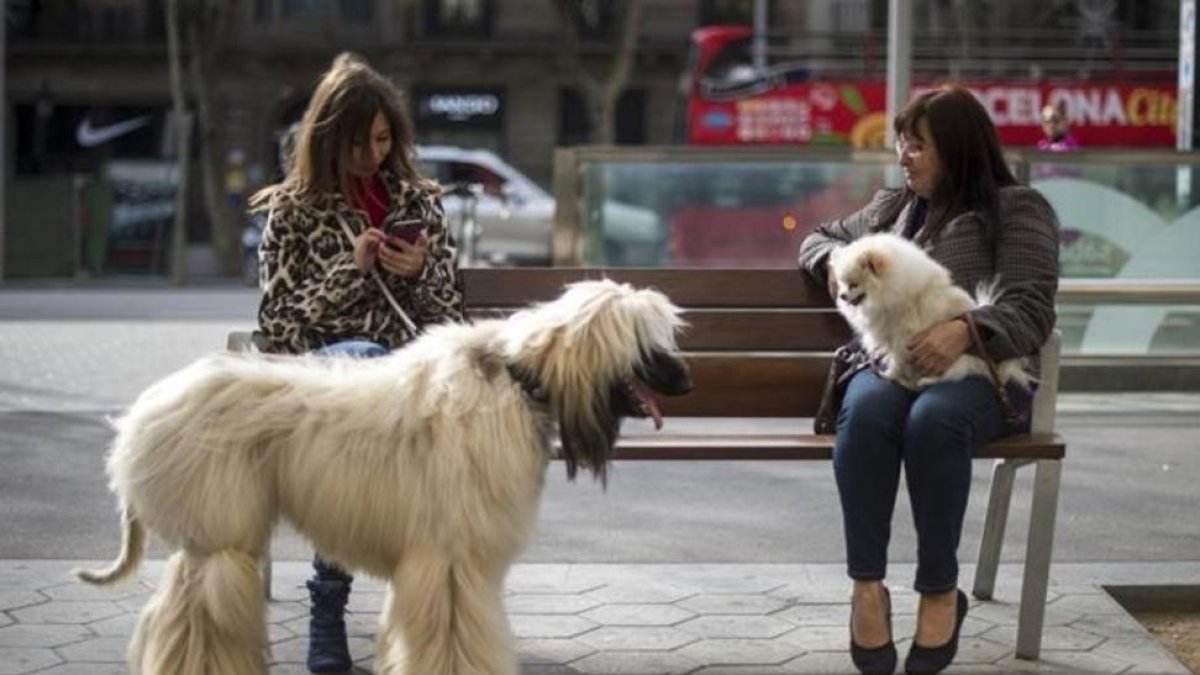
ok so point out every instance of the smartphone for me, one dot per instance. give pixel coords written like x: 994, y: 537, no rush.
x: 408, y: 230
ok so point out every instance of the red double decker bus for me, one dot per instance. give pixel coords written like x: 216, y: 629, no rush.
x: 763, y: 217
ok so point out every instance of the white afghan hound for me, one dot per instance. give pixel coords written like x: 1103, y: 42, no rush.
x: 423, y: 467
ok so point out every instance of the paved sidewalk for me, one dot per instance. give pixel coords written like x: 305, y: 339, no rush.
x: 627, y: 619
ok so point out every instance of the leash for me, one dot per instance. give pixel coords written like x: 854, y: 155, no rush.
x: 1010, y: 413
x: 387, y: 292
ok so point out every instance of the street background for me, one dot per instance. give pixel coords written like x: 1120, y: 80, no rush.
x: 72, y: 357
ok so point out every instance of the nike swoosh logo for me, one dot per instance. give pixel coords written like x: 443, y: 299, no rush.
x: 89, y: 136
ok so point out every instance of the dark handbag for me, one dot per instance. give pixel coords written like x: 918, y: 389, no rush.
x: 847, y: 360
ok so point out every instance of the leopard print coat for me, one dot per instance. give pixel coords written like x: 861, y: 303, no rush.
x: 314, y: 294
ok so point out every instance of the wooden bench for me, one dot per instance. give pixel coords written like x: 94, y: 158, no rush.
x: 758, y: 346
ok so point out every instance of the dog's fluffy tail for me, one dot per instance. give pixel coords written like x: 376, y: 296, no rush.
x: 133, y: 547
x: 988, y: 292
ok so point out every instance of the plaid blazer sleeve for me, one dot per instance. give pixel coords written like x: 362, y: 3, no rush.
x: 816, y: 247
x: 1026, y: 265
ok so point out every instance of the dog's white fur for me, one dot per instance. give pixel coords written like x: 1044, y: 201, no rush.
x: 890, y: 290
x: 423, y: 467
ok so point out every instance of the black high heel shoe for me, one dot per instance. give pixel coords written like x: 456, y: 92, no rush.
x: 879, y: 660
x: 930, y: 660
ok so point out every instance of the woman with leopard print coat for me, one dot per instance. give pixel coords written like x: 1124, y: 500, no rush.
x: 326, y: 258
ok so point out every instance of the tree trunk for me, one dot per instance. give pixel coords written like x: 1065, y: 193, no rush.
x: 601, y: 97
x: 182, y: 135
x: 222, y: 221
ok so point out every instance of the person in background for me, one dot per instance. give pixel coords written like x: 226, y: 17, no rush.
x: 1057, y: 130
x: 961, y: 203
x: 334, y: 282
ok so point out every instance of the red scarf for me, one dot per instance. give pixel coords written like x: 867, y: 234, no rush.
x: 371, y: 197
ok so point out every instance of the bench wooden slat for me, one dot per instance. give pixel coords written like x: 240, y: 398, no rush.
x: 751, y: 385
x: 508, y: 287
x: 764, y: 330
x: 751, y: 330
x: 803, y: 447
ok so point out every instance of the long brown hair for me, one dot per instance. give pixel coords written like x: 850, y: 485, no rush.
x: 338, y: 118
x: 973, y: 166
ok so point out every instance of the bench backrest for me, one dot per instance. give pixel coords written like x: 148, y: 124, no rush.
x: 758, y: 342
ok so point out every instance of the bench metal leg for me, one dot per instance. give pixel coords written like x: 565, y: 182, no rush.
x: 1037, y: 558
x: 264, y: 569
x: 999, y: 498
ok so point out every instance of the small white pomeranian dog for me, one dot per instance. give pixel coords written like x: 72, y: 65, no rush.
x: 890, y: 290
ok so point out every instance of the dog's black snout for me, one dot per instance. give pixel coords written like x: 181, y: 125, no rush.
x: 666, y: 374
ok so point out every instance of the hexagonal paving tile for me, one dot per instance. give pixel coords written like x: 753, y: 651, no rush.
x: 1006, y: 613
x: 741, y: 651
x: 67, y: 612
x: 1090, y: 604
x: 732, y: 603
x: 735, y: 626
x: 980, y: 650
x: 635, y: 663
x: 6, y: 620
x: 747, y: 670
x: 809, y: 593
x: 548, y: 626
x: 547, y: 669
x: 33, y: 635
x: 14, y: 661
x: 638, y: 615
x: 364, y: 602
x: 817, y: 638
x: 96, y: 650
x: 816, y: 615
x: 277, y: 633
x: 121, y: 625
x: 549, y: 603
x: 1136, y: 650
x: 1110, y: 626
x: 78, y: 591
x: 88, y: 669
x: 728, y: 579
x: 636, y: 638
x: 551, y: 650
x: 1058, y: 638
x: 532, y: 579
x: 16, y: 599
x: 641, y: 594
x: 1062, y: 662
x: 280, y: 612
x: 821, y: 663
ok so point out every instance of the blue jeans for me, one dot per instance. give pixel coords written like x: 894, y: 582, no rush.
x: 359, y: 349
x: 933, y: 433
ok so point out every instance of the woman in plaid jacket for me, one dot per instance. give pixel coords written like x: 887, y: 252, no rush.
x: 960, y: 202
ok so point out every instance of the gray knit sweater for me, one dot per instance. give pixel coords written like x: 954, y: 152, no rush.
x: 1023, y: 258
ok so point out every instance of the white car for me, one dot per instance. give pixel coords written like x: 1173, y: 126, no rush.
x: 515, y: 215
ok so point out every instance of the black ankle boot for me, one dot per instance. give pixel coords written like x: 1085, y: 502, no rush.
x: 879, y: 660
x: 931, y: 660
x: 327, y: 648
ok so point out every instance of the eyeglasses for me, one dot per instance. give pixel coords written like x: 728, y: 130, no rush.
x: 913, y: 147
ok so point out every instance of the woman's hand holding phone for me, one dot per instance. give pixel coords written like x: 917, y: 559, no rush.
x: 366, y: 248
x: 404, y: 252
